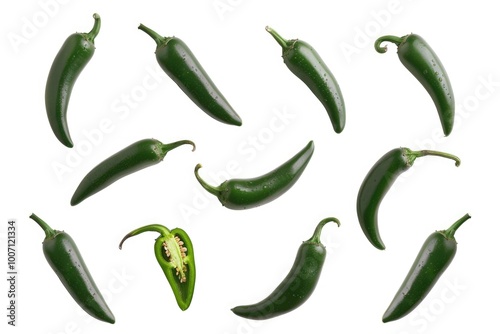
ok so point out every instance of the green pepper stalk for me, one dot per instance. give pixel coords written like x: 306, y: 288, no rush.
x: 306, y: 64
x: 434, y: 257
x: 139, y: 155
x: 175, y: 255
x: 69, y: 62
x: 240, y: 194
x: 379, y: 180
x: 298, y: 285
x: 181, y: 65
x: 65, y: 259
x: 419, y: 58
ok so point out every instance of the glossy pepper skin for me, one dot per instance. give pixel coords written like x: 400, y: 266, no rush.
x: 240, y: 194
x: 303, y: 61
x: 180, y: 64
x: 139, y: 155
x: 419, y: 58
x: 175, y: 255
x: 434, y: 257
x: 65, y: 259
x: 299, y: 283
x: 69, y: 62
x: 377, y: 183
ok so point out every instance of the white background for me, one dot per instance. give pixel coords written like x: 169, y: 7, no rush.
x: 241, y: 256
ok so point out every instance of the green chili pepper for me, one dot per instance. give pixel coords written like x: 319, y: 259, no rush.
x: 180, y: 64
x: 141, y: 154
x: 303, y: 61
x: 418, y: 57
x: 379, y: 180
x: 434, y: 257
x: 65, y: 259
x: 239, y: 194
x: 69, y: 62
x: 298, y: 285
x: 174, y: 252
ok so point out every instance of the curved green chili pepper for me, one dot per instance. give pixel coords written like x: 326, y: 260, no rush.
x: 379, y: 180
x: 69, y: 62
x: 298, y: 285
x: 434, y: 257
x: 65, y: 259
x: 239, y: 194
x: 418, y: 57
x: 303, y: 61
x: 180, y: 64
x: 141, y: 154
x: 174, y: 252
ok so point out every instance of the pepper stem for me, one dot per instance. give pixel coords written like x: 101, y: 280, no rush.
x: 49, y: 232
x: 450, y: 232
x: 148, y: 228
x: 168, y: 147
x: 281, y: 41
x: 388, y: 38
x: 412, y: 155
x: 91, y: 35
x: 159, y: 39
x: 317, y: 232
x: 211, y: 189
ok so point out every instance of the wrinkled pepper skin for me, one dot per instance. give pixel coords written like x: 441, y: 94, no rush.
x: 377, y: 183
x: 434, y: 257
x: 299, y: 283
x: 65, y: 259
x: 175, y: 254
x: 419, y: 58
x: 139, y: 155
x: 241, y: 194
x: 181, y: 65
x: 69, y: 62
x: 307, y: 65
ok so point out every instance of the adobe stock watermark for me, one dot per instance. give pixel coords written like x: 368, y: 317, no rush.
x: 365, y: 34
x: 246, y: 151
x: 225, y: 7
x: 246, y: 326
x: 330, y: 238
x: 486, y: 88
x: 120, y: 109
x: 427, y: 313
x: 117, y: 284
x: 31, y: 25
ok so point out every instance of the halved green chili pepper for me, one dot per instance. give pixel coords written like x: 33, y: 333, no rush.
x: 180, y: 64
x: 298, y: 285
x: 174, y: 252
x: 303, y: 61
x: 379, y: 180
x: 418, y: 57
x: 69, y: 62
x: 434, y: 257
x: 65, y: 259
x: 239, y: 194
x: 141, y: 154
